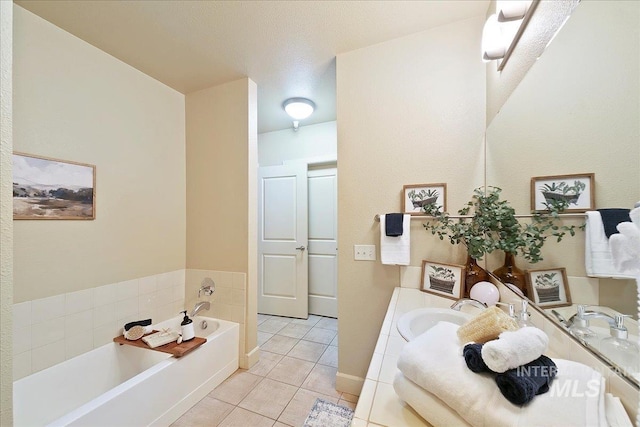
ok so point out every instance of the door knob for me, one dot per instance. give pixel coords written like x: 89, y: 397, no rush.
x: 300, y: 248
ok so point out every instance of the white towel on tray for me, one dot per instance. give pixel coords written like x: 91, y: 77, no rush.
x: 434, y: 362
x: 598, y: 259
x: 396, y: 250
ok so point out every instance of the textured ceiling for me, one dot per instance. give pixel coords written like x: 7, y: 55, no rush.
x: 287, y: 47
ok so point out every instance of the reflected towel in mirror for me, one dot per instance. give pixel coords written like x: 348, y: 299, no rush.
x: 598, y: 258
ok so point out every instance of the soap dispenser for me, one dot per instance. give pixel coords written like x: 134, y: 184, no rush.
x: 580, y: 325
x: 523, y: 317
x: 618, y: 347
x: 188, y: 332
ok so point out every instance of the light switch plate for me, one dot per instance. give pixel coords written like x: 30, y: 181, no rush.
x: 364, y: 252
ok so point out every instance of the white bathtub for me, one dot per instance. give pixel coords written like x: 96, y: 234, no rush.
x: 121, y: 385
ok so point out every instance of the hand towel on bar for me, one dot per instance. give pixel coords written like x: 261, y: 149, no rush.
x: 393, y: 224
x: 598, y: 259
x: 434, y: 361
x: 514, y: 348
x: 396, y: 250
x: 611, y: 218
x: 625, y: 246
x: 428, y: 406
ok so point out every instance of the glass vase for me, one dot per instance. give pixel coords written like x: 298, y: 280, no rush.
x: 474, y: 274
x: 510, y: 273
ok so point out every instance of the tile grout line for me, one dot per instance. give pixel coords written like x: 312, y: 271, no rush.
x: 316, y: 363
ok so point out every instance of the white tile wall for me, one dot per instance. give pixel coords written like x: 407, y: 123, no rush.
x: 228, y: 300
x: 50, y: 330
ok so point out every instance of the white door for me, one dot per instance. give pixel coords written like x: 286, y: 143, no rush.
x: 323, y: 242
x: 282, y: 241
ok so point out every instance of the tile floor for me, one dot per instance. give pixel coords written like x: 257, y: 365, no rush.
x: 298, y: 363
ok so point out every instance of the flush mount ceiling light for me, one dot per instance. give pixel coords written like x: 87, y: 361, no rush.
x: 503, y: 29
x: 493, y: 46
x: 510, y: 10
x: 298, y: 109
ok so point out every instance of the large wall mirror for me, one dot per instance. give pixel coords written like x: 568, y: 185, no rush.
x: 578, y: 111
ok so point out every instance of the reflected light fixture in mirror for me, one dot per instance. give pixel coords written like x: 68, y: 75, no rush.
x: 298, y: 109
x: 503, y: 29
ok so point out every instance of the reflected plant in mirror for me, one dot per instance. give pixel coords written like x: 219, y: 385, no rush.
x: 489, y: 223
x: 576, y: 111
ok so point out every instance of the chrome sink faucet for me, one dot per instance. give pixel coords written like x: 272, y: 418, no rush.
x: 588, y: 315
x: 468, y: 301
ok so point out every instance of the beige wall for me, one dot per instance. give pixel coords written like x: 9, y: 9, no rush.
x: 221, y: 126
x: 6, y: 215
x: 318, y: 141
x: 577, y: 112
x: 217, y: 178
x: 547, y: 19
x: 75, y: 102
x: 410, y: 111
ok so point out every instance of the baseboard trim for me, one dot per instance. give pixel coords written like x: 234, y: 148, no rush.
x: 251, y: 358
x: 349, y: 383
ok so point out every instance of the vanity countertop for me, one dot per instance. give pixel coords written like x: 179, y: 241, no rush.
x: 379, y: 405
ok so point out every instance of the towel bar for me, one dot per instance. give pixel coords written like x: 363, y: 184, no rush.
x: 420, y: 216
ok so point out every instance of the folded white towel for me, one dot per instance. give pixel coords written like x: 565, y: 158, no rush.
x: 616, y: 415
x: 598, y: 258
x: 428, y: 406
x: 625, y: 246
x: 434, y: 362
x: 514, y: 348
x: 396, y: 250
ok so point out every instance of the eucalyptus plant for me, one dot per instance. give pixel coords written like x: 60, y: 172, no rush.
x: 491, y: 224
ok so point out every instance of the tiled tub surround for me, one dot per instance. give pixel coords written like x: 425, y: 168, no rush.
x: 51, y: 330
x: 228, y: 302
x: 105, y: 387
x: 379, y: 405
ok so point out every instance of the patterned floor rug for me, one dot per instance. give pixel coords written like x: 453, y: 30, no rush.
x: 327, y: 414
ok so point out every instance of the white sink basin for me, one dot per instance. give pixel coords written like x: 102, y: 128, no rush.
x: 417, y: 321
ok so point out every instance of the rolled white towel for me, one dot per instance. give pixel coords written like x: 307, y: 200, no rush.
x: 514, y: 348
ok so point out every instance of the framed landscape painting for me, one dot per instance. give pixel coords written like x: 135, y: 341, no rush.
x: 45, y: 188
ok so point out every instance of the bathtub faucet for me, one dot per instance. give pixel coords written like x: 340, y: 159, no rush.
x: 200, y: 306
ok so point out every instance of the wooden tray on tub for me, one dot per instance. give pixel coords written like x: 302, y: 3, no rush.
x: 177, y: 350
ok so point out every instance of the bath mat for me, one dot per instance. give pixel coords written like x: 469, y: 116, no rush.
x: 327, y: 414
